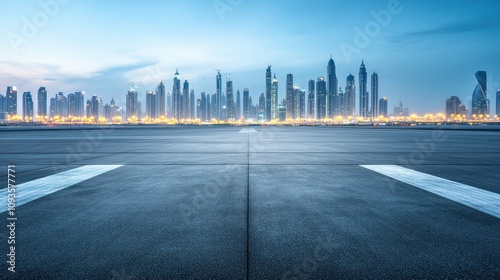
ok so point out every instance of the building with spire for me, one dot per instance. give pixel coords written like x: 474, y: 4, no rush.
x: 218, y: 96
x: 332, y: 86
x: 268, y: 112
x: 176, y: 96
x: 364, y: 103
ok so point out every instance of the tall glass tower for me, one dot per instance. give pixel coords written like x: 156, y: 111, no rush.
x: 350, y: 96
x: 321, y: 100
x: 479, y: 97
x: 274, y: 98
x: 42, y: 102
x: 268, y: 112
x: 218, y: 95
x: 332, y: 84
x: 176, y: 96
x: 374, y: 108
x: 363, y: 92
x: 290, y: 105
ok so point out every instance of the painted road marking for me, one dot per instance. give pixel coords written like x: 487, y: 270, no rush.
x: 36, y: 189
x: 479, y: 199
x: 248, y: 130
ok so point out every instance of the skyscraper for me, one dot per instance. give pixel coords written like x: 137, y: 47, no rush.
x: 3, y: 103
x: 95, y: 108
x: 27, y: 106
x: 268, y: 115
x: 374, y: 108
x: 332, y: 86
x: 218, y: 94
x: 302, y: 104
x: 203, y: 107
x: 382, y: 105
x: 186, y: 108
x: 176, y: 97
x: 453, y: 106
x: 479, y: 97
x: 321, y: 100
x: 262, y: 106
x: 246, y: 103
x: 152, y: 107
x: 238, y: 104
x: 71, y: 104
x: 350, y: 96
x: 290, y: 105
x: 310, y: 100
x: 230, y: 106
x: 42, y: 102
x: 132, y: 104
x: 192, y: 105
x: 79, y: 104
x: 274, y: 98
x: 11, y: 100
x: 364, y: 106
x: 160, y: 95
x: 498, y: 104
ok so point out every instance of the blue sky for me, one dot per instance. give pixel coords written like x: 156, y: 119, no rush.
x: 424, y: 53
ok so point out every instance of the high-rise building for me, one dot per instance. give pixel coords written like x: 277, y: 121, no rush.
x: 71, y: 104
x: 290, y: 105
x: 382, y: 106
x: 94, y: 112
x: 80, y: 104
x: 262, y: 105
x: 238, y: 104
x: 268, y: 114
x: 11, y: 100
x: 168, y: 110
x: 342, y: 101
x: 186, y: 108
x: 454, y: 107
x: 209, y: 108
x: 498, y: 103
x: 230, y: 106
x: 218, y: 94
x: 213, y: 108
x: 302, y: 104
x: 176, y: 97
x: 479, y: 97
x: 132, y: 104
x: 310, y: 100
x: 364, y: 103
x: 296, y: 102
x: 246, y: 103
x: 321, y: 100
x: 374, y: 108
x: 274, y: 98
x: 350, y: 97
x: 61, y: 105
x: 192, y: 105
x: 160, y: 96
x: 3, y: 104
x: 400, y: 110
x: 152, y: 107
x: 203, y: 107
x: 332, y: 86
x: 42, y: 102
x: 27, y: 106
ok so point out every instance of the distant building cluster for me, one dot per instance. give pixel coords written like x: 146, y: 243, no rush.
x: 323, y: 100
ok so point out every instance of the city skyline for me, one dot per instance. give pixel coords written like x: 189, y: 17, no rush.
x: 415, y: 63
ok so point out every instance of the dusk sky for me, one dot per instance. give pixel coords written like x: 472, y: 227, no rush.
x: 424, y: 53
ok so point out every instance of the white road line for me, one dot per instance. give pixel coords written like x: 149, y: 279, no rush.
x: 479, y: 199
x: 36, y: 189
x: 248, y: 130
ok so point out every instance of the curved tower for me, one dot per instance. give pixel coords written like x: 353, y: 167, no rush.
x: 479, y: 97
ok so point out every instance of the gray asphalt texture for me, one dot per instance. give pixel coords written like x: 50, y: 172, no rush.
x: 282, y: 203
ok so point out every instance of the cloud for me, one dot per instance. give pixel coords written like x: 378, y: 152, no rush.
x: 454, y: 28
